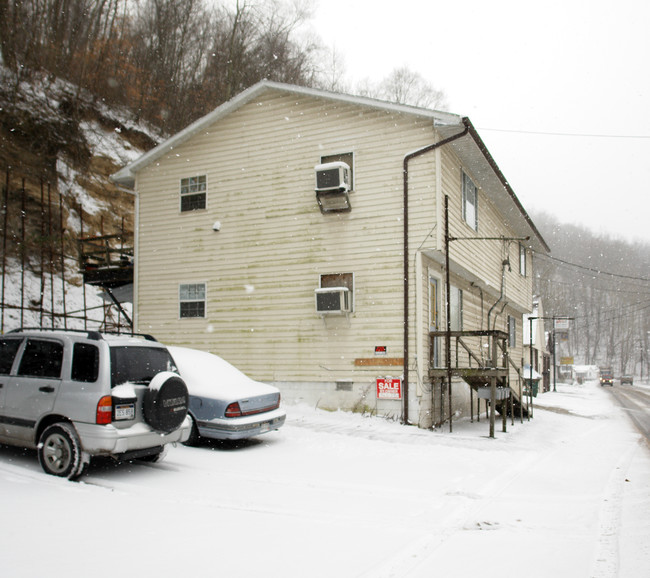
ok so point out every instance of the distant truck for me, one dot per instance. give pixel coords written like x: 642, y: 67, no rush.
x: 606, y: 376
x: 627, y: 380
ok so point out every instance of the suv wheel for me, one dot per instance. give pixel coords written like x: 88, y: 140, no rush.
x: 59, y: 451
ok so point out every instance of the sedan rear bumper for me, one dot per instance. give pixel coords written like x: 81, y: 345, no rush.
x: 236, y: 428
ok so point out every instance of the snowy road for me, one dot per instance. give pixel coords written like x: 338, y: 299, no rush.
x: 339, y: 495
x: 636, y: 402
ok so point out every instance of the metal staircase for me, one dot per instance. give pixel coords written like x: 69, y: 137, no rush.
x: 481, y: 359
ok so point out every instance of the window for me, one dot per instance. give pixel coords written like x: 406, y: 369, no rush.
x: 456, y: 306
x: 139, y: 364
x: 192, y: 300
x: 193, y: 193
x: 522, y: 259
x: 8, y: 350
x: 346, y: 158
x: 512, y: 331
x: 85, y: 363
x: 42, y: 359
x: 340, y: 280
x: 470, y: 202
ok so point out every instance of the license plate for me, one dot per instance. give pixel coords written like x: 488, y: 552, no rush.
x: 125, y: 411
x: 264, y: 427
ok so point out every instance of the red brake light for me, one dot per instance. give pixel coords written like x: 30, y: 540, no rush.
x: 104, y: 410
x: 233, y: 410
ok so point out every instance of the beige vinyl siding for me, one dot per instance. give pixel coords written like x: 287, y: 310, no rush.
x: 483, y: 258
x: 274, y: 239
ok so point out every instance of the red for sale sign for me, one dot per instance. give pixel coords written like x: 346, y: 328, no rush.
x: 388, y: 388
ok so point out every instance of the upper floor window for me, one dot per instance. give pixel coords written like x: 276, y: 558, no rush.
x: 193, y: 193
x: 347, y: 158
x: 522, y: 259
x: 470, y: 202
x: 191, y: 300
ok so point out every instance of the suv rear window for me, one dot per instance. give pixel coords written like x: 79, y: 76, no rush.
x: 139, y: 364
x: 8, y: 350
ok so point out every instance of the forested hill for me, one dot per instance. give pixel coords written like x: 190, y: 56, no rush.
x: 603, y: 282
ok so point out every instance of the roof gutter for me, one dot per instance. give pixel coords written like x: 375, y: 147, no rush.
x: 407, y: 159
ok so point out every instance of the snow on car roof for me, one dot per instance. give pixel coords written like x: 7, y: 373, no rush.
x: 203, y: 372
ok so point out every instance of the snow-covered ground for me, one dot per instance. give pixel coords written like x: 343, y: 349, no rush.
x: 566, y: 494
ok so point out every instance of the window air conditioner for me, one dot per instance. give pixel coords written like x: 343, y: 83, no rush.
x: 333, y: 300
x: 332, y: 177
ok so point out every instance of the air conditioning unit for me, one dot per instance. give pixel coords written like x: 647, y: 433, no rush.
x: 333, y: 300
x: 332, y: 177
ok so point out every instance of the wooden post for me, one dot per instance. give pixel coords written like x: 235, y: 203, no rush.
x: 471, y: 405
x: 493, y: 399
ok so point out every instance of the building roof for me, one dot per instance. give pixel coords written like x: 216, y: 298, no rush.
x: 470, y: 149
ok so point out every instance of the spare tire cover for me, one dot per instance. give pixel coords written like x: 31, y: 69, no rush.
x: 165, y: 402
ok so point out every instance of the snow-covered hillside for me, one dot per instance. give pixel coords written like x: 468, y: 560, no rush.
x: 56, y: 139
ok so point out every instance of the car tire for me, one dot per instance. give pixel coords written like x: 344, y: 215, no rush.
x: 193, y: 440
x: 165, y: 402
x: 60, y: 453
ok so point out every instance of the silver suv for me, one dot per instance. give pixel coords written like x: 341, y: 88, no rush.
x: 76, y: 394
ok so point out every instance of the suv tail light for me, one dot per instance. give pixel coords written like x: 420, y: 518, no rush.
x: 104, y: 410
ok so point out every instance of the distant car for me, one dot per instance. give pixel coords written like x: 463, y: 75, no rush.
x: 225, y: 404
x: 606, y: 376
x: 627, y: 379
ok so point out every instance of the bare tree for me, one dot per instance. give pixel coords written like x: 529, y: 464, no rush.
x: 405, y: 86
x: 256, y: 41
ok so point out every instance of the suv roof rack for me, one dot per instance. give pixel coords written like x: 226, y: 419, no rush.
x: 95, y: 335
x: 146, y: 336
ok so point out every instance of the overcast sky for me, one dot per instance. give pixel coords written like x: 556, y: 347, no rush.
x: 517, y: 69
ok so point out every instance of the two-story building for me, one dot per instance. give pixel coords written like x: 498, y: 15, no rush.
x: 335, y: 246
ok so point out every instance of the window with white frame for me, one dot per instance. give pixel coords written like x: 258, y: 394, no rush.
x: 339, y: 280
x: 522, y: 259
x: 194, y: 193
x: 470, y: 202
x: 456, y: 309
x: 191, y: 300
x: 347, y: 158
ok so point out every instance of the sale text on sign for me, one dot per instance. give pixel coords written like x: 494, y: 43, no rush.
x: 388, y: 388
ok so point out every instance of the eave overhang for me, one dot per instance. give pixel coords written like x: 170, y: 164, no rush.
x: 475, y: 156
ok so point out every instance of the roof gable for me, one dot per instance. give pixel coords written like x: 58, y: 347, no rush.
x: 126, y: 176
x: 470, y: 149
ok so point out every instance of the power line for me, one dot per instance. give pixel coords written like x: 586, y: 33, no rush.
x: 571, y: 134
x: 590, y: 269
